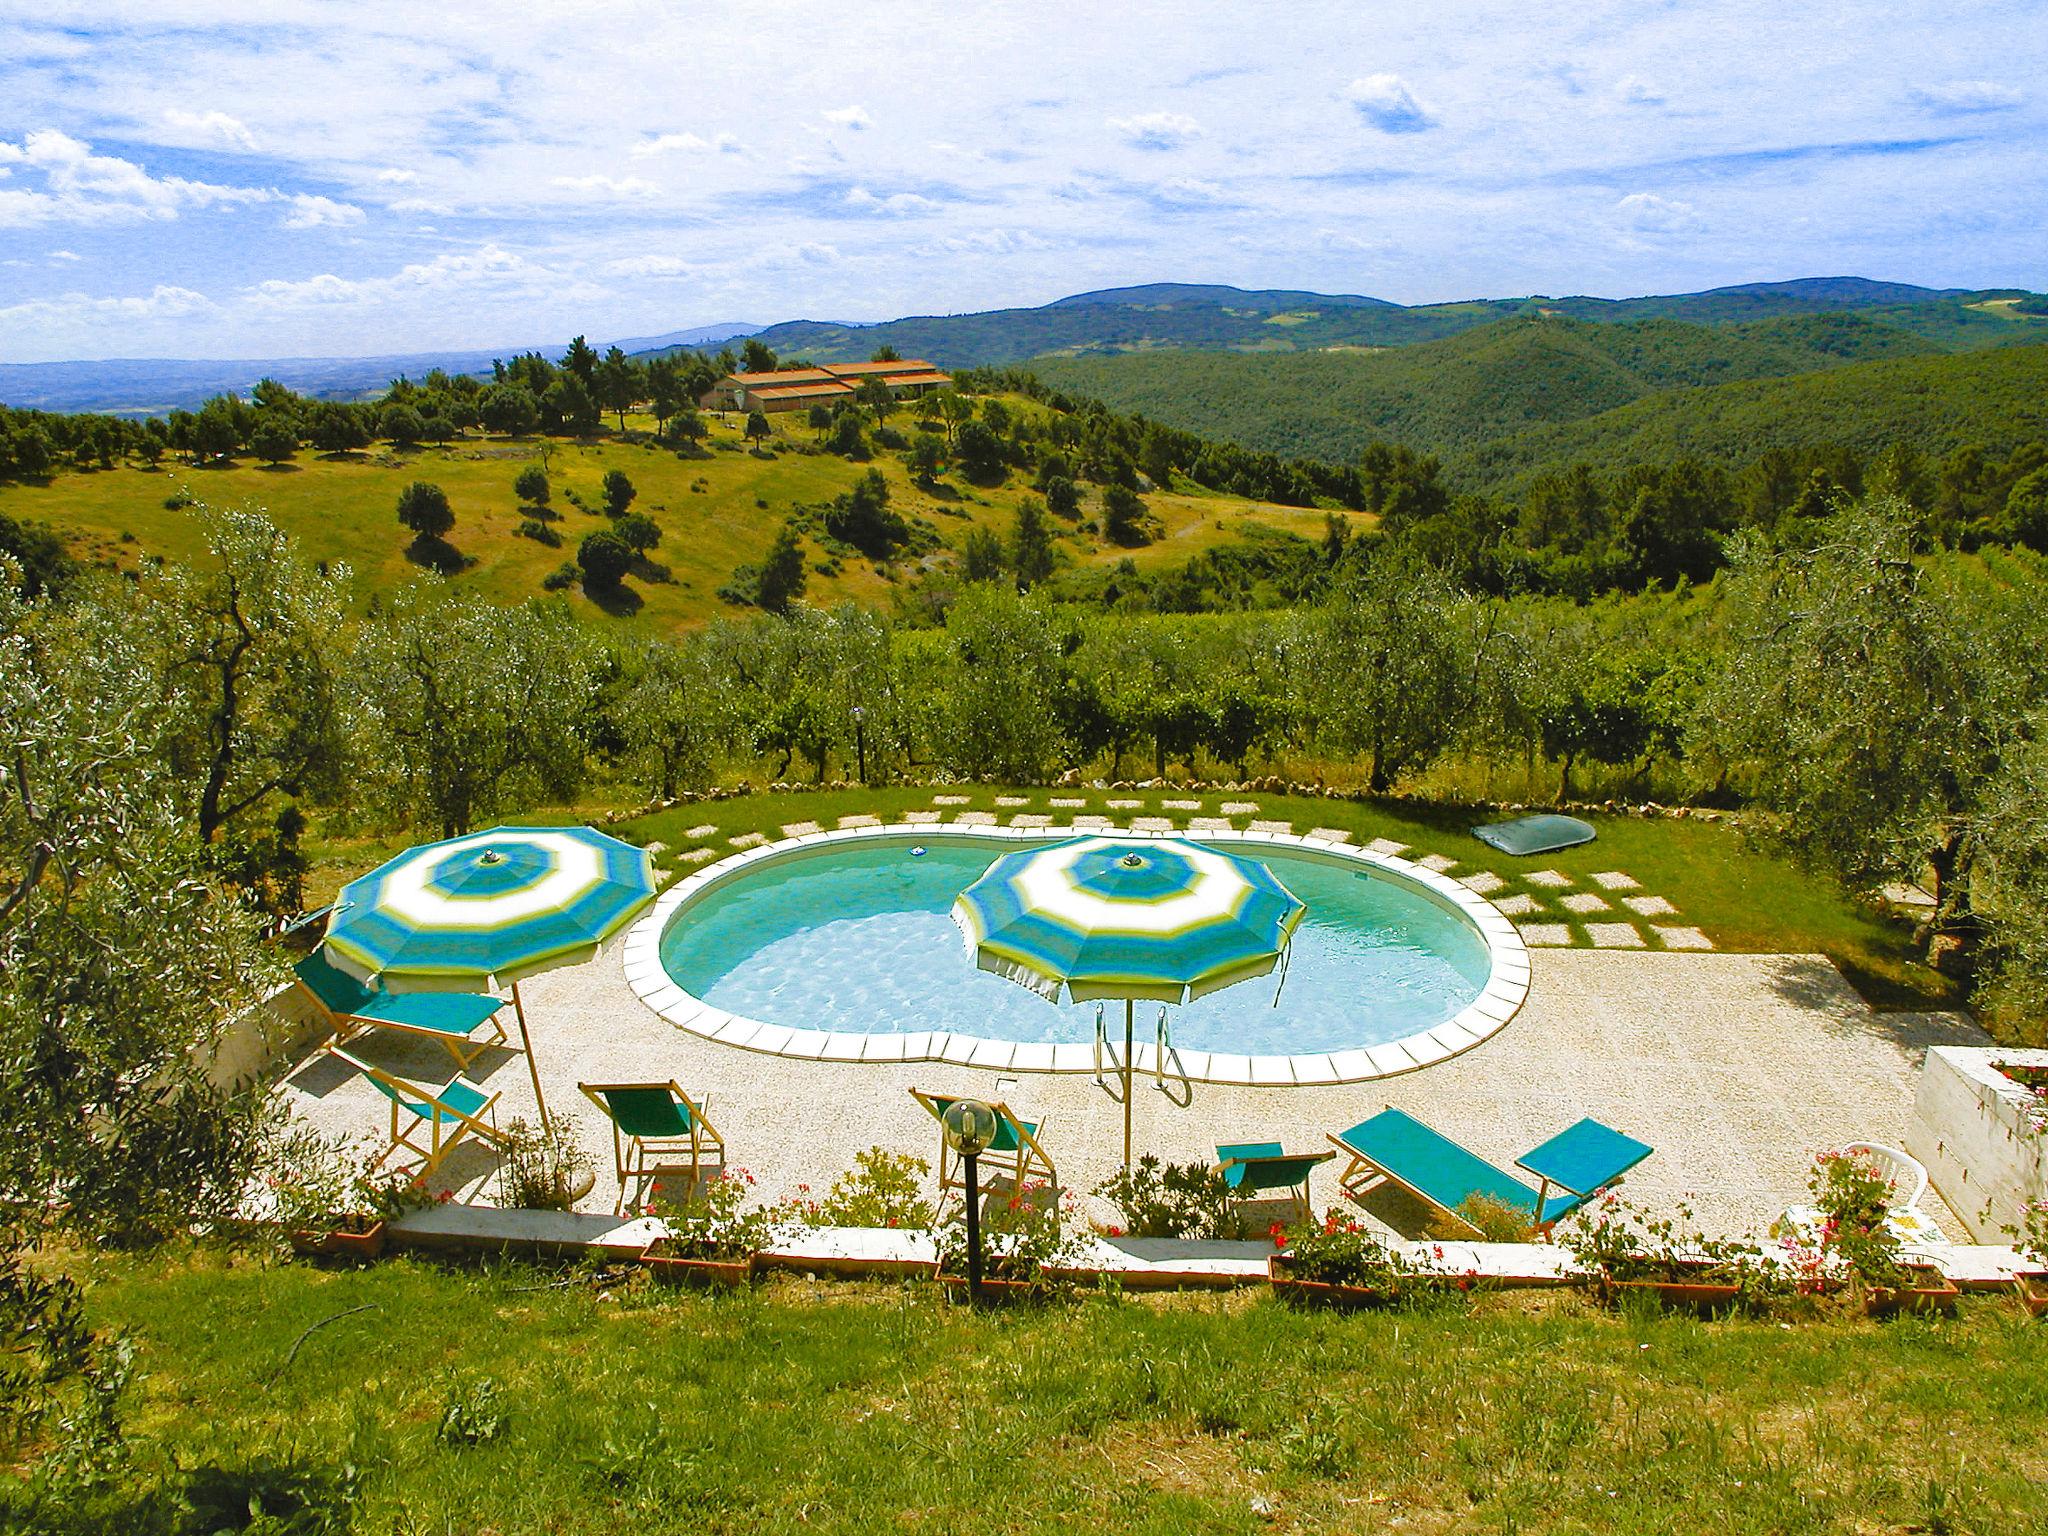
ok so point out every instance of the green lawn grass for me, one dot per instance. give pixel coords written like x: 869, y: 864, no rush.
x: 810, y: 1407
x: 716, y: 512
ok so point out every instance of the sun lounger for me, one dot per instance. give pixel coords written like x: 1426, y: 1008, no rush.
x: 450, y: 1019
x: 449, y: 1112
x: 1015, y: 1151
x: 1255, y: 1170
x: 1393, y: 1147
x: 656, y: 1129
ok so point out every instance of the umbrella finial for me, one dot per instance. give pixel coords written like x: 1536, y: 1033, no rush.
x: 490, y: 856
x: 1132, y: 861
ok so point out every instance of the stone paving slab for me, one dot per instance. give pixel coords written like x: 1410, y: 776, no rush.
x: 1387, y: 846
x: 1011, y: 802
x: 1648, y: 906
x: 1126, y: 805
x: 1550, y: 879
x: 952, y: 799
x: 696, y: 855
x: 1092, y: 823
x: 1440, y: 862
x: 1617, y: 880
x: 1518, y: 905
x: 1152, y: 824
x: 748, y: 839
x: 654, y: 848
x: 1482, y: 883
x: 1031, y: 819
x: 1208, y: 823
x: 1329, y: 834
x: 1682, y: 938
x: 708, y: 829
x: 975, y: 819
x: 1180, y: 805
x: 1539, y: 935
x: 1240, y: 808
x: 1069, y: 803
x: 800, y: 828
x: 1583, y: 902
x: 861, y: 819
x: 1272, y: 826
x: 922, y: 818
x: 1614, y: 935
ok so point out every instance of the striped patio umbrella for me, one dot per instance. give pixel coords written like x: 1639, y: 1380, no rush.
x: 1158, y: 918
x: 488, y: 909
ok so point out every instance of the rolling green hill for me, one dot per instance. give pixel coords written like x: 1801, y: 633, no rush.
x: 1159, y: 316
x: 1452, y: 396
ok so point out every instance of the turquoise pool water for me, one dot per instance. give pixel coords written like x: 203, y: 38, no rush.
x: 859, y: 939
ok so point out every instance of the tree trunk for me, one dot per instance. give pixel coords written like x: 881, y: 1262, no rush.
x: 1564, y: 780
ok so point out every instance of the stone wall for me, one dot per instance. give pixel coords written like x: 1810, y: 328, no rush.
x: 1983, y: 1138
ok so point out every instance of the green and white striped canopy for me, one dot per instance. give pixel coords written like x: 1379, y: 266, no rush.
x: 1157, y: 918
x: 490, y: 908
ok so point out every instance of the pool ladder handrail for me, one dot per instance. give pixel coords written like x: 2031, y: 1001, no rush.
x: 1103, y: 1048
x: 1166, y: 1048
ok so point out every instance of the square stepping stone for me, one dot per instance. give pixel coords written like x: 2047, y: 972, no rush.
x: 1180, y: 805
x: 1011, y: 802
x: 1208, y: 823
x: 1682, y: 938
x: 950, y: 799
x: 1272, y: 826
x: 654, y: 848
x: 1126, y: 805
x: 1583, y: 902
x: 1240, y: 808
x: 975, y: 819
x: 861, y: 820
x: 706, y: 830
x: 1068, y: 803
x: 696, y: 855
x: 1484, y: 882
x: 1616, y: 880
x: 799, y: 828
x: 1544, y: 935
x: 1648, y: 906
x: 1438, y: 862
x: 1092, y: 823
x: 1551, y: 879
x: 1152, y: 824
x: 1519, y: 905
x: 921, y: 818
x: 1387, y: 846
x: 749, y: 839
x: 1031, y: 819
x: 1614, y: 936
x: 1329, y: 834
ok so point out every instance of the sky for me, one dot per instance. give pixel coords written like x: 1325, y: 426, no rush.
x: 231, y: 179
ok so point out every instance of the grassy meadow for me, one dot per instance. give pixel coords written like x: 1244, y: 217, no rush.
x: 717, y: 510
x: 504, y: 1398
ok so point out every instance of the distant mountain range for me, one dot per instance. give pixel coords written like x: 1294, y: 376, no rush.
x: 151, y: 385
x: 1120, y: 324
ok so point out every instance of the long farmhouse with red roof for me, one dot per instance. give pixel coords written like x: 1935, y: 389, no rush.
x: 797, y: 389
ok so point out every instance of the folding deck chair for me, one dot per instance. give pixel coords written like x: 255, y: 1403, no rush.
x: 1257, y: 1169
x: 449, y: 1113
x: 1015, y: 1151
x: 451, y: 1019
x: 656, y: 1129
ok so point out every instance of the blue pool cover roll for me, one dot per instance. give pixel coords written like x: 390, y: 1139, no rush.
x: 1535, y: 834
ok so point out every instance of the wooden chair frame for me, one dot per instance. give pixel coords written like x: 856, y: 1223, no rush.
x: 1021, y: 1163
x: 347, y: 1026
x: 639, y: 1160
x: 403, y: 1091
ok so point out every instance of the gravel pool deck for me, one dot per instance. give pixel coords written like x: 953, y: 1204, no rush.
x: 1736, y: 1068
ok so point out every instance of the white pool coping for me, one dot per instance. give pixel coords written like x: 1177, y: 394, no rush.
x: 1506, y: 989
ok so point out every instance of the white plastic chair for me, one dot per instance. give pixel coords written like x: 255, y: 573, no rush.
x: 1908, y: 1179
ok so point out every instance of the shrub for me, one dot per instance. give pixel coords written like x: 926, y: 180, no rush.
x: 471, y: 1414
x: 604, y: 559
x: 1172, y: 1200
x: 1495, y: 1220
x: 712, y: 1220
x: 562, y: 577
x: 1340, y: 1251
x: 533, y: 528
x: 423, y: 507
x: 1022, y: 1237
x: 543, y: 1167
x: 883, y: 1189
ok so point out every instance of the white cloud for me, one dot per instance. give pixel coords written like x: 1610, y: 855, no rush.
x: 66, y: 256
x: 613, y: 186
x: 996, y: 242
x: 899, y: 204
x: 1649, y: 214
x: 1635, y: 91
x: 81, y: 187
x: 311, y: 212
x: 1965, y: 97
x: 650, y: 266
x: 160, y: 303
x: 1188, y: 192
x: 422, y: 205
x: 1386, y: 102
x: 392, y: 176
x: 1158, y: 130
x: 855, y: 118
x: 663, y: 143
x: 817, y: 254
x: 204, y: 128
x: 491, y: 265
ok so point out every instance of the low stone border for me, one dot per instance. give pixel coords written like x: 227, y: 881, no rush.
x: 1506, y: 989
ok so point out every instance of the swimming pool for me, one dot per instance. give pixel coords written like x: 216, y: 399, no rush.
x: 840, y: 946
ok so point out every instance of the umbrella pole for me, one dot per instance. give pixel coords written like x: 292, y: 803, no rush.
x: 532, y: 1066
x: 1128, y: 1005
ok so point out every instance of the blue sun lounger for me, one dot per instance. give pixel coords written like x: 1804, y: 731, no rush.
x: 1258, y: 1169
x: 450, y: 1018
x: 1393, y: 1147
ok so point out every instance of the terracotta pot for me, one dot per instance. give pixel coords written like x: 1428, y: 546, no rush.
x: 1685, y: 1288
x: 998, y: 1292
x: 1928, y: 1291
x: 1150, y: 1279
x: 2032, y: 1286
x: 673, y: 1269
x: 356, y: 1247
x: 1323, y: 1293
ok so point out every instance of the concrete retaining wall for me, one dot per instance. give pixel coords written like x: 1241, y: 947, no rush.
x: 1983, y: 1138
x: 263, y: 1038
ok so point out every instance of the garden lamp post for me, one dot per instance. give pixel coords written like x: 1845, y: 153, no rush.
x: 969, y: 1126
x: 860, y: 741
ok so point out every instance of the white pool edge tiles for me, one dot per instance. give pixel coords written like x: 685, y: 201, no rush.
x: 1499, y: 1000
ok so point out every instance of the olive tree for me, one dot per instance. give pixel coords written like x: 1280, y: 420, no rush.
x: 1001, y: 721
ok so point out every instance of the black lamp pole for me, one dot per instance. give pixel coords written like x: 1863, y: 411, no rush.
x: 973, y: 1229
x: 860, y: 740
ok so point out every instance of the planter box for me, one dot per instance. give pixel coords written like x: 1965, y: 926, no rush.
x: 1322, y: 1293
x: 673, y: 1269
x: 2032, y: 1286
x: 999, y: 1292
x: 355, y: 1247
x: 1150, y: 1279
x: 1929, y: 1291
x: 1687, y: 1288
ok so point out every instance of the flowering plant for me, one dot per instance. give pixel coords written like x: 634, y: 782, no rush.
x: 1853, y: 1199
x: 326, y: 1184
x: 1341, y: 1251
x: 1171, y: 1199
x: 1627, y: 1242
x: 2031, y: 1234
x: 1023, y: 1236
x: 714, y: 1221
x: 883, y: 1189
